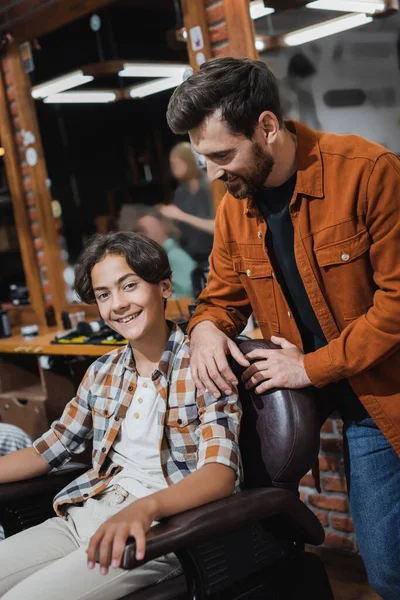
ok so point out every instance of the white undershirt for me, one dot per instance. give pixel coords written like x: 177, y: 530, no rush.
x: 136, y: 447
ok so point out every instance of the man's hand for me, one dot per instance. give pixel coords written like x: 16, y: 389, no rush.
x: 209, y: 366
x: 276, y: 368
x: 109, y: 540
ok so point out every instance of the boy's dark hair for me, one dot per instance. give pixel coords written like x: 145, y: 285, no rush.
x: 241, y: 88
x: 144, y: 256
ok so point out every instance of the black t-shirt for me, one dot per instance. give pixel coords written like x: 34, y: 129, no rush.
x: 273, y: 204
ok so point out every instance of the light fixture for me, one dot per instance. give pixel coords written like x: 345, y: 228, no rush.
x: 362, y: 6
x: 159, y: 85
x: 258, y: 10
x: 152, y: 70
x: 2, y: 151
x: 88, y: 97
x: 60, y: 84
x: 259, y: 44
x: 315, y: 32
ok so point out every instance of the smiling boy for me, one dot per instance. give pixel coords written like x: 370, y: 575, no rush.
x: 159, y: 447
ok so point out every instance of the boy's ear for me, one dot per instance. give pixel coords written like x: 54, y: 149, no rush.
x: 166, y: 288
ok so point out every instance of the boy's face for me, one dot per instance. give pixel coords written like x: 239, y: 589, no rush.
x: 128, y: 304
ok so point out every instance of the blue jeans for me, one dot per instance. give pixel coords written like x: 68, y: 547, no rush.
x: 373, y: 479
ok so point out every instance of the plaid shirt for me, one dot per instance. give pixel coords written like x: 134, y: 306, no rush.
x: 195, y: 429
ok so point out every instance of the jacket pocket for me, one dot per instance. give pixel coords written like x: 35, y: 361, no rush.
x: 257, y: 278
x: 346, y: 269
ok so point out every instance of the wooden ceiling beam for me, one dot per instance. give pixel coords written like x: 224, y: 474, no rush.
x: 49, y: 17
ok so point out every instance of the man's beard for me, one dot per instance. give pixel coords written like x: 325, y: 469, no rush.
x: 261, y: 168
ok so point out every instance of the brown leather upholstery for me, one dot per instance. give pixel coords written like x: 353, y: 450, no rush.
x: 201, y: 524
x: 279, y: 438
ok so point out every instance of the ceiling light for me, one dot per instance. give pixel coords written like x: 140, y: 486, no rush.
x: 147, y: 89
x: 259, y: 44
x: 315, y: 32
x: 258, y: 10
x: 81, y: 98
x: 152, y: 70
x: 367, y: 6
x: 60, y: 84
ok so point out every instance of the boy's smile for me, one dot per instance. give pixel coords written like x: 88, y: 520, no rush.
x: 127, y: 303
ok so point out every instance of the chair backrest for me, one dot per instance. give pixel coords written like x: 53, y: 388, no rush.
x: 279, y: 438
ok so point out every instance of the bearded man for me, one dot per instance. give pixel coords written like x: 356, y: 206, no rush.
x: 307, y: 237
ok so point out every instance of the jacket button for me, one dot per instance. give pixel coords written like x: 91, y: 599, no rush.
x: 130, y: 388
x: 259, y: 234
x: 289, y: 314
x: 116, y: 418
x: 345, y: 256
x: 248, y: 272
x: 103, y: 449
x: 179, y: 421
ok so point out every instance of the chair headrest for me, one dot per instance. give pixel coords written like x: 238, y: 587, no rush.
x: 279, y: 437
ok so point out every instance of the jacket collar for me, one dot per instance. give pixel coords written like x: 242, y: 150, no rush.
x: 309, y: 165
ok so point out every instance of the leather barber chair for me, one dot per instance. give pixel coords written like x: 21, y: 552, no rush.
x: 248, y: 546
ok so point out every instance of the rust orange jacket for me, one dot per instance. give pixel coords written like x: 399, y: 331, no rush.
x: 346, y: 216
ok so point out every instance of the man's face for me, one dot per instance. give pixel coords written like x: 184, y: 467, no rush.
x: 242, y: 164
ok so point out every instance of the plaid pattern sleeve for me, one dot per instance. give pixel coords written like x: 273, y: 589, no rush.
x: 69, y: 433
x: 218, y: 432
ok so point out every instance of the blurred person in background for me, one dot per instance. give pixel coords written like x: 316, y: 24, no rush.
x: 152, y: 224
x: 192, y: 205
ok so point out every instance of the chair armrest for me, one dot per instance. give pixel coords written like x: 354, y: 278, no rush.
x: 40, y: 486
x: 206, y: 522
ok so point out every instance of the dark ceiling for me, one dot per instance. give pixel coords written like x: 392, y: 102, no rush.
x: 129, y: 31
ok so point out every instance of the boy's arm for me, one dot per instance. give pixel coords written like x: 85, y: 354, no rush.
x: 218, y: 473
x: 22, y: 464
x: 72, y: 430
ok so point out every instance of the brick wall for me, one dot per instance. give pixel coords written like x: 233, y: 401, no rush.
x: 331, y: 505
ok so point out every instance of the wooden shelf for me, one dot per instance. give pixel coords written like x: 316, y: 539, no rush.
x: 41, y: 344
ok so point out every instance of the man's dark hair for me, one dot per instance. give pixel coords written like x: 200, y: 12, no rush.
x: 241, y: 88
x: 144, y: 256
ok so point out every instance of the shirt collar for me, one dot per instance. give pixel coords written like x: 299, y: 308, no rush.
x: 309, y: 165
x: 165, y: 366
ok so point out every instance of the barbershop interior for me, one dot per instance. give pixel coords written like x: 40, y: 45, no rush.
x: 86, y: 150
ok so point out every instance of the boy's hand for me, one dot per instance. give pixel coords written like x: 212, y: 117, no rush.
x: 110, y: 539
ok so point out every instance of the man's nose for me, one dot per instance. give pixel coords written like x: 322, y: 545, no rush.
x: 214, y: 171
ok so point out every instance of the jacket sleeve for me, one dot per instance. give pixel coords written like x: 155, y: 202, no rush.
x: 224, y: 300
x: 374, y: 336
x: 70, y: 433
x: 218, y: 432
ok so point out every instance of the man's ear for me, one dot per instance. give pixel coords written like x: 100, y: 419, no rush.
x: 166, y: 287
x: 269, y: 126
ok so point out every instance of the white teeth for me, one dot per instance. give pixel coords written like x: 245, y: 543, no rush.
x: 127, y: 319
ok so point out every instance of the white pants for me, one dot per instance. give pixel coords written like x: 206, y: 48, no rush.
x: 49, y: 561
